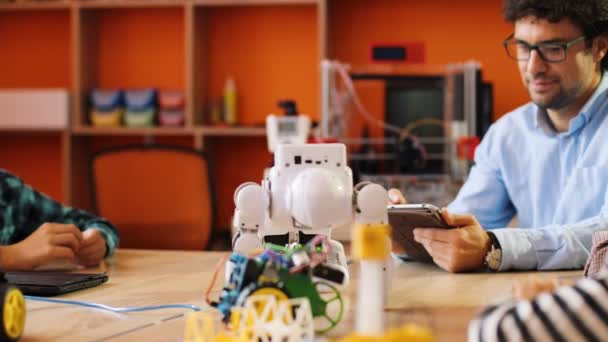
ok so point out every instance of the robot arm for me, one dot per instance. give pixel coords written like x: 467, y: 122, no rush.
x: 371, y: 247
x: 252, y: 203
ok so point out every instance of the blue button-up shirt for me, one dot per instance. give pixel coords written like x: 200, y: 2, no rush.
x: 554, y: 182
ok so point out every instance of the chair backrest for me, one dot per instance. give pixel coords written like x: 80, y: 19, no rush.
x: 157, y: 196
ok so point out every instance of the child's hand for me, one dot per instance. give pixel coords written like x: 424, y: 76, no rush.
x: 92, y: 248
x: 533, y: 286
x: 51, y: 241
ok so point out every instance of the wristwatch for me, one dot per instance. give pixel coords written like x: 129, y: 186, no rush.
x: 494, y: 256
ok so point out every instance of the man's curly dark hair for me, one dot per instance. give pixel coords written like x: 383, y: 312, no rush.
x: 590, y: 15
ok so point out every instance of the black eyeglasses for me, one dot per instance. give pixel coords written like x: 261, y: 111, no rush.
x: 548, y: 52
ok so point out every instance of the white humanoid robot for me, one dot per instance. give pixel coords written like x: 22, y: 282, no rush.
x: 309, y: 191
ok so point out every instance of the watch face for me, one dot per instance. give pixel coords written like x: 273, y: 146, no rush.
x: 493, y: 259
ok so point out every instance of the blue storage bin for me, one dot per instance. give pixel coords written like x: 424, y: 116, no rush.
x: 140, y: 100
x: 106, y: 100
x: 106, y: 107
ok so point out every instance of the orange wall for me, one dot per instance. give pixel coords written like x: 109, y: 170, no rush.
x: 272, y: 52
x: 237, y: 160
x: 35, y: 49
x: 35, y: 53
x: 34, y: 158
x: 138, y: 48
x: 452, y: 31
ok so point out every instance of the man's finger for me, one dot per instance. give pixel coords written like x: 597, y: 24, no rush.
x: 458, y: 220
x: 396, y: 197
x: 436, y: 248
x: 432, y: 234
x: 67, y: 240
x: 443, y: 263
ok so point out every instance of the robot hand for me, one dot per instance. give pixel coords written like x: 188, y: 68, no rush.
x: 251, y: 202
x: 370, y: 201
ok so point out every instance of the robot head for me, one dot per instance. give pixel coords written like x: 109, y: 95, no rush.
x: 317, y: 198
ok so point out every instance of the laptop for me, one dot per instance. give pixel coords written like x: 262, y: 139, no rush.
x: 53, y: 283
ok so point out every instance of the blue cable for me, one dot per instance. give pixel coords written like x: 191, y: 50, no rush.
x: 113, y: 309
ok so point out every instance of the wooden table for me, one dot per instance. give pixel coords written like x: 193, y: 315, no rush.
x: 420, y: 293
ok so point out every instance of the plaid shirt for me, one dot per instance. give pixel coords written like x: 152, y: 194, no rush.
x: 596, y: 264
x: 23, y: 210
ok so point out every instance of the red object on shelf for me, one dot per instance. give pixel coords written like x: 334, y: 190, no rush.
x: 466, y: 147
x: 171, y: 118
x: 171, y: 99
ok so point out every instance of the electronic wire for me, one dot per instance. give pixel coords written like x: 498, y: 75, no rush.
x: 113, y: 309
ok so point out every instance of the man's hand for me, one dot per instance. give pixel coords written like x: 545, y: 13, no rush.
x: 92, y: 249
x: 459, y: 249
x: 49, y: 242
x: 396, y: 197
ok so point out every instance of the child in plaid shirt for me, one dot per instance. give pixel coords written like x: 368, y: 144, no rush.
x: 35, y: 230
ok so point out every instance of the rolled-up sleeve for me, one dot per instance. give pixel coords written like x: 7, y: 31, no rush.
x: 549, y: 248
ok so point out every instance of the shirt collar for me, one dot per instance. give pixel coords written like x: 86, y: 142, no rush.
x: 541, y: 118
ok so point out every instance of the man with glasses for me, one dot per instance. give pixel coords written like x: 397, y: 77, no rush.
x: 545, y: 162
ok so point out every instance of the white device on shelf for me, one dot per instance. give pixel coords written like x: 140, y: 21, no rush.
x: 308, y: 191
x: 287, y: 129
x: 34, y: 108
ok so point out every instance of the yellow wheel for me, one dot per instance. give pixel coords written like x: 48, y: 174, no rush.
x: 13, y: 313
x: 270, y: 291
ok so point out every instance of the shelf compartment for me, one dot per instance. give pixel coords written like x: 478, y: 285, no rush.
x: 272, y: 45
x: 129, y: 48
x: 35, y: 49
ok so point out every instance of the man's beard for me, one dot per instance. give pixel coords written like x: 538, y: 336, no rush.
x: 557, y: 101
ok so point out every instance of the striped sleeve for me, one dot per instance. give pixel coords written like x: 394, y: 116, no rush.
x: 572, y: 313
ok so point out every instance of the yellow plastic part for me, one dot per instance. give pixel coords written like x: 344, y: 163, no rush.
x: 268, y: 291
x: 199, y: 326
x: 113, y: 119
x: 240, y: 320
x: 371, y: 242
x: 409, y: 332
x: 14, y: 313
x: 223, y: 337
